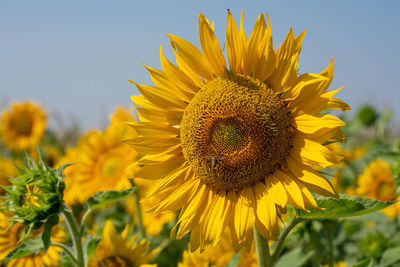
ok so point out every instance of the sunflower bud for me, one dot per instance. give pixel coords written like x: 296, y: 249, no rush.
x: 35, y: 194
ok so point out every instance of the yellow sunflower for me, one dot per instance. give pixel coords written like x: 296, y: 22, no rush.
x: 22, y: 127
x: 115, y: 251
x: 230, y: 146
x: 377, y: 183
x: 9, y: 238
x: 7, y: 170
x: 101, y: 163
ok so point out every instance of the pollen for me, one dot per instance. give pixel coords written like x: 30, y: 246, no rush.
x: 235, y: 131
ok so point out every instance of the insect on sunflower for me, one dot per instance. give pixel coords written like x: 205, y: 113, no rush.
x: 232, y: 146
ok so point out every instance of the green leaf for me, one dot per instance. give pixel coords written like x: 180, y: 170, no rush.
x: 234, y: 260
x: 26, y: 248
x: 390, y: 257
x: 363, y: 263
x: 89, y: 246
x: 344, y: 206
x: 50, y: 222
x: 107, y: 197
x: 294, y: 258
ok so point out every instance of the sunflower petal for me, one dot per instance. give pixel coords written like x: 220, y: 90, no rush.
x: 211, y: 47
x: 191, y: 56
x: 310, y: 124
x: 234, y: 45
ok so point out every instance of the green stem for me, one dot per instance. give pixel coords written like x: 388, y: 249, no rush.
x: 75, y: 235
x: 282, y: 239
x: 67, y: 250
x: 141, y: 230
x: 262, y: 248
x: 83, y: 222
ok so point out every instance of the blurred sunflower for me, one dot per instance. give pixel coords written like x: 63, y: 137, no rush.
x: 377, y: 183
x: 152, y: 223
x: 115, y: 251
x: 7, y: 170
x: 22, y: 127
x: 9, y: 238
x: 233, y: 146
x: 101, y: 162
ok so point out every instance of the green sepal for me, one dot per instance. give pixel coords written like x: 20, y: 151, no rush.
x: 235, y: 260
x: 51, y: 221
x: 344, y: 206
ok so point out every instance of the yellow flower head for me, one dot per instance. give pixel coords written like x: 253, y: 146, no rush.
x: 22, y: 127
x: 377, y: 183
x: 101, y: 163
x: 120, y: 251
x: 9, y: 238
x: 230, y: 146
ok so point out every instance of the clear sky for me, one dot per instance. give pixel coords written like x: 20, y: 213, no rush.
x: 76, y: 57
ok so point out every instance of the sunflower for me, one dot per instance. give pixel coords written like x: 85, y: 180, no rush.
x: 22, y: 127
x: 115, y: 251
x: 101, y: 163
x: 232, y: 146
x: 377, y: 183
x: 7, y: 170
x: 9, y: 238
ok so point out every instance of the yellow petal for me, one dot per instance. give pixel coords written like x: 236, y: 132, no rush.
x: 160, y: 98
x: 159, y: 171
x: 191, y: 56
x: 234, y: 45
x: 313, y: 153
x: 294, y: 194
x: 244, y: 214
x: 276, y: 190
x: 307, y: 82
x: 311, y: 178
x: 211, y: 47
x: 266, y: 209
x: 310, y: 124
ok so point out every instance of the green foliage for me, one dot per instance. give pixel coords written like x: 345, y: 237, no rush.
x: 295, y: 258
x: 367, y: 115
x: 26, y: 248
x: 107, y: 197
x: 344, y: 206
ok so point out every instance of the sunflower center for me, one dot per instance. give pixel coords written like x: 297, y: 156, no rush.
x: 235, y: 132
x: 110, y: 166
x: 386, y: 191
x: 115, y: 261
x: 22, y: 126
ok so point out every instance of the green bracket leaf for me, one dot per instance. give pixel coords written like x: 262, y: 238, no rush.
x: 107, y: 197
x: 344, y: 206
x: 26, y: 248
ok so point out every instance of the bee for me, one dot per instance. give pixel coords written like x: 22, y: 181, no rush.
x: 215, y: 159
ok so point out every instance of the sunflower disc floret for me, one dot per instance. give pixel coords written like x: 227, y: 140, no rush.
x: 234, y: 131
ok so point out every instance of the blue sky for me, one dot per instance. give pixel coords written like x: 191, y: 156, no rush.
x: 76, y: 57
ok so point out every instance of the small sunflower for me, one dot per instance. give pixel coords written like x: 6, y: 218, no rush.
x: 101, y: 162
x: 115, y: 251
x: 22, y: 127
x: 377, y: 183
x: 232, y: 146
x: 9, y: 238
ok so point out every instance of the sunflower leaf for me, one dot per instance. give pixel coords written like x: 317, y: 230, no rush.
x: 51, y: 221
x: 26, y: 248
x: 107, y: 197
x: 344, y: 206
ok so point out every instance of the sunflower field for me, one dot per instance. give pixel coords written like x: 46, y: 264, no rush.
x: 232, y: 157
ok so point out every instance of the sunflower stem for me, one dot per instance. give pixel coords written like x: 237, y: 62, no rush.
x: 67, y: 250
x: 75, y: 235
x: 262, y: 248
x: 282, y: 239
x: 140, y: 226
